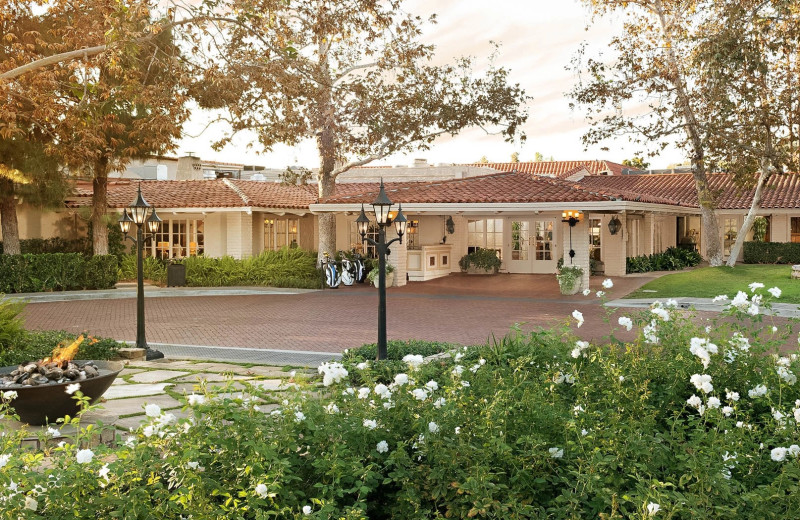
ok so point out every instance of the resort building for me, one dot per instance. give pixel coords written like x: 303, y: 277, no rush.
x: 517, y: 209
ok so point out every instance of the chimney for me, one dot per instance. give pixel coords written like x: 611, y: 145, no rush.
x: 420, y: 163
x: 189, y: 168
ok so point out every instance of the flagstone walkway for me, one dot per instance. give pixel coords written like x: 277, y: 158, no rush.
x: 166, y: 382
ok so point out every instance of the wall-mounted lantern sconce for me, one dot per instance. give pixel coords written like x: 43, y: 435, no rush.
x: 614, y: 225
x: 571, y: 218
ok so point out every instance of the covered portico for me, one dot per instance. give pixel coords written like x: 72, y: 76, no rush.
x: 518, y: 216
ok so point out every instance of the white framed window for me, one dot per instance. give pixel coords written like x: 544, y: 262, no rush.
x: 485, y: 233
x: 281, y: 232
x: 366, y: 249
x: 178, y: 238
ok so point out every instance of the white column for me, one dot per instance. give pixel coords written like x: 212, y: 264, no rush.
x: 580, y: 244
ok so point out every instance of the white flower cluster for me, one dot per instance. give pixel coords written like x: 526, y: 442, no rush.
x: 650, y: 333
x: 84, y: 456
x: 779, y: 454
x: 758, y: 391
x: 625, y: 322
x: 702, y: 348
x: 9, y: 395
x: 738, y: 344
x: 783, y: 371
x: 702, y: 383
x: 556, y: 453
x: 578, y: 315
x: 332, y: 372
x: 564, y: 378
x: 413, y: 360
x: 580, y: 346
x: 607, y: 283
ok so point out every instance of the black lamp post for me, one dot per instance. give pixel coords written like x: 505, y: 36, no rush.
x: 141, y: 213
x: 571, y: 218
x: 381, y: 206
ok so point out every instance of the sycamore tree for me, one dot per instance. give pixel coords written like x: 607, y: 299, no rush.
x: 353, y: 76
x: 747, y: 62
x: 108, y: 79
x: 646, y: 90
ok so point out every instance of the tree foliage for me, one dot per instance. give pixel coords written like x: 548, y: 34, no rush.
x: 101, y: 109
x: 353, y: 76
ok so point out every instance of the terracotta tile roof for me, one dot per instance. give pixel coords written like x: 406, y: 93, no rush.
x: 219, y: 193
x: 496, y: 188
x: 781, y: 191
x: 559, y: 169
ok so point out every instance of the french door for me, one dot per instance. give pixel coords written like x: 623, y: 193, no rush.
x: 532, y: 246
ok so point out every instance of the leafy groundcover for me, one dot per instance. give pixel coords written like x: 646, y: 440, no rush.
x: 689, y: 420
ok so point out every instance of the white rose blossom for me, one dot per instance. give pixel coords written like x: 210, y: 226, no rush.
x: 775, y: 292
x: 556, y: 453
x: 607, y: 283
x: 84, y: 456
x: 625, y: 322
x: 578, y: 315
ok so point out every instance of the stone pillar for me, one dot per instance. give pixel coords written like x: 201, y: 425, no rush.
x: 615, y: 249
x: 580, y: 244
x: 189, y: 168
x: 239, y: 235
x: 457, y: 242
x: 398, y: 257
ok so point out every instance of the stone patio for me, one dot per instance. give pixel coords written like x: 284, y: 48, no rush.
x: 164, y: 382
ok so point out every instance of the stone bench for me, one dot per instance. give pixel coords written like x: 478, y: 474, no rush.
x: 796, y: 271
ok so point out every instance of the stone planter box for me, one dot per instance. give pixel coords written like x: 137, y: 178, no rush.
x: 577, y: 286
x: 389, y: 281
x: 478, y: 270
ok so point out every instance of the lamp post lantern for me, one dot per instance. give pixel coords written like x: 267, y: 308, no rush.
x: 381, y: 207
x: 141, y: 214
x: 571, y: 218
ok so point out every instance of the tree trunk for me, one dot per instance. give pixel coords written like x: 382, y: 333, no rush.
x: 708, y: 219
x: 708, y: 216
x: 751, y: 214
x: 8, y: 218
x: 327, y: 187
x: 99, y: 208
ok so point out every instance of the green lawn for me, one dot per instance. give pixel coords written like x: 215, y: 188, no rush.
x: 708, y: 282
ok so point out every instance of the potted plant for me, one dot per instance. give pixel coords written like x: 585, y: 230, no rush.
x: 570, y: 279
x: 372, y: 276
x: 480, y: 261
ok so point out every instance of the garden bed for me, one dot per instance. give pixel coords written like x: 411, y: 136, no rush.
x: 685, y: 422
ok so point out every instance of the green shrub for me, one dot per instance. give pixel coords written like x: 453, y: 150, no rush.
x: 771, y: 253
x: 101, y: 272
x: 33, y: 345
x: 10, y: 321
x: 55, y: 272
x: 481, y: 258
x: 671, y: 259
x: 534, y: 425
x: 287, y: 267
x: 153, y: 269
x: 398, y: 349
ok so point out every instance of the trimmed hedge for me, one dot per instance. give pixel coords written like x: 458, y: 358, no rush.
x: 771, y: 253
x: 56, y: 272
x: 288, y: 267
x: 54, y: 245
x: 672, y: 259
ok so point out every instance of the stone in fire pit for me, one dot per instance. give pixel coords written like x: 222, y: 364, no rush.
x: 48, y: 400
x: 35, y: 373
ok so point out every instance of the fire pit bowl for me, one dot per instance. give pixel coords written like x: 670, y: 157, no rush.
x: 37, y: 405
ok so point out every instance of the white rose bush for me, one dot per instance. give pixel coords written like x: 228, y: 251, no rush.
x: 683, y: 419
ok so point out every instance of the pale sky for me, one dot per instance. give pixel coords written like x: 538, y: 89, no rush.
x: 538, y: 39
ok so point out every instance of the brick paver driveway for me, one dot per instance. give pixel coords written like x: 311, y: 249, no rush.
x: 458, y: 308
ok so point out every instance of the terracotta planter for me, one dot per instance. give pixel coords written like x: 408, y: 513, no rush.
x: 389, y: 280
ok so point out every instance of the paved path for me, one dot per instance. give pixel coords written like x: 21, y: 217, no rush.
x: 458, y: 308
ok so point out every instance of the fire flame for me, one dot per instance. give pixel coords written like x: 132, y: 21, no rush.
x: 64, y: 353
